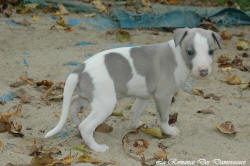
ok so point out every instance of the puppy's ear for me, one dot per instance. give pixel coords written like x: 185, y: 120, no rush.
x: 217, y: 38
x: 179, y: 35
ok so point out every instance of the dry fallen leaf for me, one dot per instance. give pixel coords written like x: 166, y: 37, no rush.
x: 123, y: 36
x: 155, y: 131
x: 226, y: 128
x: 88, y: 159
x: 16, y: 133
x: 45, y: 83
x: 206, y: 111
x: 27, y: 80
x: 54, y: 151
x: 225, y: 36
x: 89, y: 15
x: 198, y: 92
x: 172, y: 2
x: 141, y: 144
x: 223, y: 59
x: 104, y: 128
x: 62, y: 9
x: 100, y: 6
x: 69, y: 29
x: 1, y: 144
x: 22, y: 94
x: 173, y: 118
x: 117, y: 113
x: 211, y: 95
x: 161, y: 155
x: 61, y: 22
x: 237, y: 63
x: 243, y: 44
x: 34, y: 18
x: 232, y: 79
x: 244, y: 54
x: 8, y: 11
x: 35, y: 151
x: 17, y: 84
x: 5, y: 126
x: 43, y: 160
x: 24, y: 10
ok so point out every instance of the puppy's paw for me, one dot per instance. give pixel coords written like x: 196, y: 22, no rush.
x: 100, y: 148
x: 135, y: 125
x: 170, y: 130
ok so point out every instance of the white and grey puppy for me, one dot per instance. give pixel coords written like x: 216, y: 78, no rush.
x: 153, y: 71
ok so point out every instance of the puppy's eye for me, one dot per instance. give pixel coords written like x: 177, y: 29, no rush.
x: 211, y: 52
x: 190, y: 52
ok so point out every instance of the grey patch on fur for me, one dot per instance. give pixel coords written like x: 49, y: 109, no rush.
x: 85, y: 86
x: 155, y: 62
x: 79, y: 68
x: 119, y: 70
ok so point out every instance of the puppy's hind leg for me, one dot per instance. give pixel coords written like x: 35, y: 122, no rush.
x: 101, y: 108
x: 137, y: 108
x: 75, y: 107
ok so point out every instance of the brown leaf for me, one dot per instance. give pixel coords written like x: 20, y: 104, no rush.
x: 88, y: 159
x: 161, y: 155
x: 22, y: 94
x: 232, y: 79
x: 65, y: 161
x: 35, y: 151
x: 141, y: 142
x: 237, y: 63
x: 45, y: 83
x: 211, y: 95
x: 17, y: 84
x: 8, y: 11
x: 3, y: 102
x: 5, y: 116
x: 198, y: 92
x: 62, y: 9
x: 45, y: 159
x: 15, y: 133
x: 1, y: 144
x: 54, y: 151
x: 223, y: 59
x: 4, y: 126
x: 100, y: 6
x: 225, y: 36
x: 244, y: 54
x: 172, y: 2
x: 226, y: 128
x: 69, y: 29
x: 104, y: 128
x: 173, y: 118
x: 27, y: 80
x: 206, y: 111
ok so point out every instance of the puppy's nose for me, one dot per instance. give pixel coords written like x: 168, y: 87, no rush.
x: 203, y: 72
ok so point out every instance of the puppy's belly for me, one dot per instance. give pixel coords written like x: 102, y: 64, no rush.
x: 137, y: 87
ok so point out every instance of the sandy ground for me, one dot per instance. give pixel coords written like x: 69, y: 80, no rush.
x: 45, y: 52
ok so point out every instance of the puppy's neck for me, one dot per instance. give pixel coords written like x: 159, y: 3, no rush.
x: 182, y: 71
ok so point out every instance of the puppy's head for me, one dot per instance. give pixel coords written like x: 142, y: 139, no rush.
x: 197, y: 47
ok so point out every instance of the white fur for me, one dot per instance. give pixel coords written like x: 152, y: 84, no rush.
x: 70, y: 85
x: 202, y: 59
x: 104, y: 95
x: 181, y: 71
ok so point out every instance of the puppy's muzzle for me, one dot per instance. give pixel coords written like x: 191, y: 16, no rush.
x: 203, y: 72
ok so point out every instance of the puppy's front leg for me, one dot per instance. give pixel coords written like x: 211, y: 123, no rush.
x: 137, y: 108
x: 163, y: 102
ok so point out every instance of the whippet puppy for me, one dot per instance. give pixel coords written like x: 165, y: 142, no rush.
x: 152, y: 71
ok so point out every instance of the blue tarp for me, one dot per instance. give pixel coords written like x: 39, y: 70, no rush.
x: 162, y: 16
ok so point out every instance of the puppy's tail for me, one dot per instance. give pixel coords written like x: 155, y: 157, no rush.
x: 69, y: 88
